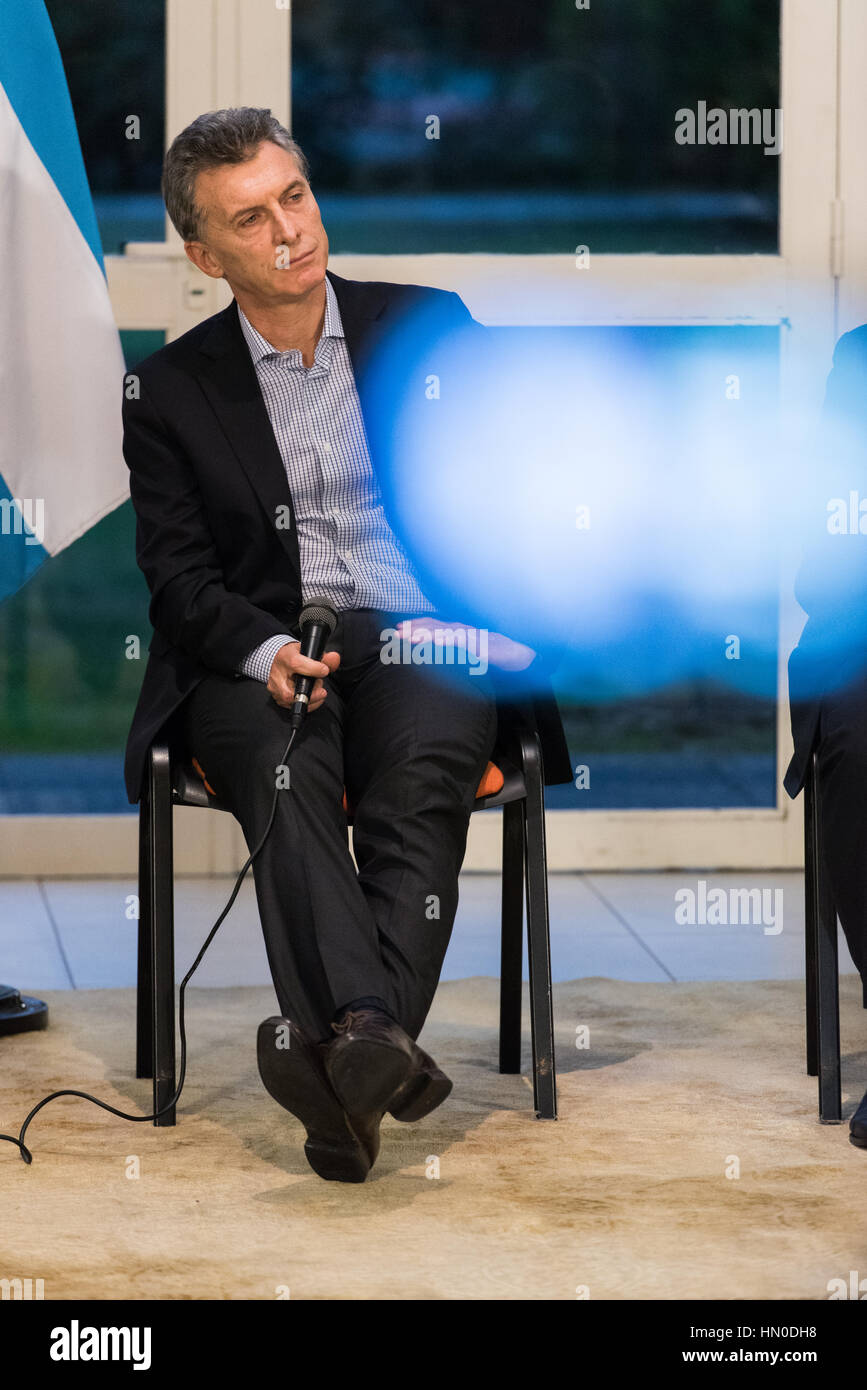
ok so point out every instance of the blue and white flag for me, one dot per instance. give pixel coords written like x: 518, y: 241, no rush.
x: 61, y: 366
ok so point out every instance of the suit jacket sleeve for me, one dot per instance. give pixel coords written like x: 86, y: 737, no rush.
x: 190, y: 605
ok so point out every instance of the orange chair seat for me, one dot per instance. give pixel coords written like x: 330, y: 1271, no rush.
x: 491, y: 783
x: 201, y: 771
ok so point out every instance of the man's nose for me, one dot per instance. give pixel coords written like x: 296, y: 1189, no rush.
x: 287, y: 225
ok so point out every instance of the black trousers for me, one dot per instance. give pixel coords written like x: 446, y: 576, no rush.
x: 842, y: 757
x: 409, y: 743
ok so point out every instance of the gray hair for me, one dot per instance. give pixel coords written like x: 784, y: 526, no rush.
x: 230, y: 136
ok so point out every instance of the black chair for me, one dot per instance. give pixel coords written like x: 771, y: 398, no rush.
x: 823, y: 994
x: 170, y: 780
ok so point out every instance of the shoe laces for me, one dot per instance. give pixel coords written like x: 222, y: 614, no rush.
x: 349, y: 1020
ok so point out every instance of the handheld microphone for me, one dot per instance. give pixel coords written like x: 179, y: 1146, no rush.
x: 317, y: 622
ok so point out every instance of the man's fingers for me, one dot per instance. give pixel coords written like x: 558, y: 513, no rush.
x: 304, y: 666
x: 284, y: 694
x: 288, y: 665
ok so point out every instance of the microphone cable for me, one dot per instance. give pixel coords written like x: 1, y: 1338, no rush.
x: 139, y: 1119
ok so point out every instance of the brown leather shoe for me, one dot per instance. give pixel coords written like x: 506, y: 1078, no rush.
x: 368, y: 1061
x: 858, y: 1126
x: 365, y: 1127
x: 291, y: 1069
x: 425, y: 1089
x: 421, y: 1093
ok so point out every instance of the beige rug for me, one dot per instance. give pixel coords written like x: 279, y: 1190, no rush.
x: 625, y: 1196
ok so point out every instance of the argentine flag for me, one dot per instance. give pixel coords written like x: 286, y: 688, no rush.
x: 61, y: 366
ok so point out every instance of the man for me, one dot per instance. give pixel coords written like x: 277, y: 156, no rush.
x: 255, y: 491
x: 828, y: 668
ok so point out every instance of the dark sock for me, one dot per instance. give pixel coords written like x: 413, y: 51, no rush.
x: 367, y: 1001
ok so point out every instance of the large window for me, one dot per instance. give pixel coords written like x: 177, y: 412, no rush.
x: 113, y: 56
x: 679, y: 709
x: 69, y: 686
x: 515, y: 127
x: 476, y: 148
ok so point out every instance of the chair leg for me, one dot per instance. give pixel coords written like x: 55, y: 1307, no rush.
x: 811, y: 915
x: 827, y: 975
x: 511, y: 938
x: 828, y: 1012
x: 161, y: 873
x: 144, y: 1032
x: 538, y: 932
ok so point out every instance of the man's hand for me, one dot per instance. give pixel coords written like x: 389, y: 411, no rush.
x: 503, y: 652
x: 288, y: 663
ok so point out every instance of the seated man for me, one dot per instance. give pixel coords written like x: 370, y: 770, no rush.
x: 828, y: 668
x: 255, y: 491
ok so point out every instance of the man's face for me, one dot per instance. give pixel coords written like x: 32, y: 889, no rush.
x: 251, y: 212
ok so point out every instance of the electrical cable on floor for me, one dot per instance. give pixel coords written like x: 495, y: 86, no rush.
x: 139, y: 1119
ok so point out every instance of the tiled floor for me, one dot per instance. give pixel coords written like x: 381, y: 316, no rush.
x: 77, y: 934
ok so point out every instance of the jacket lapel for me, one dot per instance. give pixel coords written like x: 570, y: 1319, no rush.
x: 367, y: 321
x: 363, y: 313
x: 228, y: 378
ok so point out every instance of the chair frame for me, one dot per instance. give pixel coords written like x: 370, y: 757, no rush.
x: 822, y: 970
x: 169, y: 781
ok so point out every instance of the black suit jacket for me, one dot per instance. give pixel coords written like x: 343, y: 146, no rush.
x: 208, y: 484
x: 831, y: 585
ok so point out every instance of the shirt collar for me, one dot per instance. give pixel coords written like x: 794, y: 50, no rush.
x: 260, y: 348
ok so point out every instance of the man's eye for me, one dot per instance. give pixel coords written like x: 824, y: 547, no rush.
x: 248, y: 220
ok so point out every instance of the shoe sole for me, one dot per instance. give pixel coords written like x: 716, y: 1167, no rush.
x: 366, y: 1130
x: 365, y: 1074
x: 858, y: 1141
x: 293, y: 1079
x: 334, y: 1163
x: 425, y: 1096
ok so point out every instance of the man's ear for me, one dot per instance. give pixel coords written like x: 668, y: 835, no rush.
x: 202, y: 257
